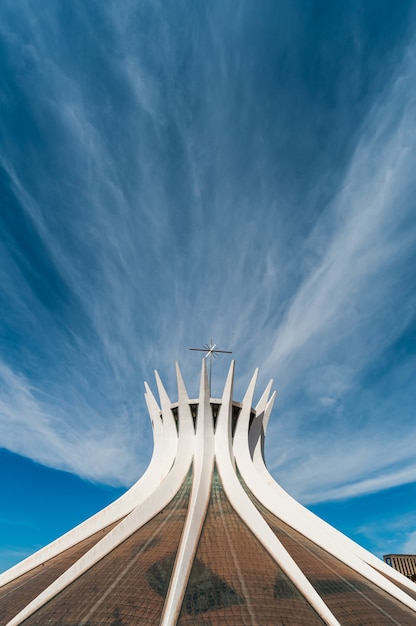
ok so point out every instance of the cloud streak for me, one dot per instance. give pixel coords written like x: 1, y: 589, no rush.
x: 168, y: 180
x: 353, y: 306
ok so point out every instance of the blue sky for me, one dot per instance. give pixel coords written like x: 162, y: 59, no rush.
x: 172, y: 171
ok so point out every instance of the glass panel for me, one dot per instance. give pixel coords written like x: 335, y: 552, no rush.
x: 351, y: 597
x: 128, y: 585
x: 19, y: 592
x: 234, y: 580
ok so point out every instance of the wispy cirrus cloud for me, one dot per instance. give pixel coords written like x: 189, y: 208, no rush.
x: 175, y: 178
x: 35, y: 424
x: 352, y: 308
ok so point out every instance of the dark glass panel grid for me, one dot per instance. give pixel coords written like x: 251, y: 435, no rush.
x: 234, y: 580
x: 353, y: 599
x: 19, y: 592
x: 122, y: 588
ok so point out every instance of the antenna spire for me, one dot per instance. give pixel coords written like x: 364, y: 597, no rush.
x: 211, y: 351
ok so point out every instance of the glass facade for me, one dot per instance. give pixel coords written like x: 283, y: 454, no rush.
x: 353, y: 599
x: 19, y: 592
x: 127, y: 585
x: 234, y: 581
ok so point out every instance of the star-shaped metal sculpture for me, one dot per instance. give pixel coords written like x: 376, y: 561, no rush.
x: 211, y: 351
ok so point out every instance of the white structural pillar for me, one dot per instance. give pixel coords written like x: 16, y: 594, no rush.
x: 184, y: 443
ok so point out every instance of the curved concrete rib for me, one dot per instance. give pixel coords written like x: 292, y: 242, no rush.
x: 282, y: 502
x: 178, y: 445
x: 201, y: 489
x: 163, y: 456
x: 258, y: 430
x: 246, y: 510
x: 158, y: 499
x: 282, y: 505
x: 256, y: 433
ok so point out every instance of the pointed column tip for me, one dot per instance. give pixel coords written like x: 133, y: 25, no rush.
x: 228, y: 387
x: 182, y: 392
x: 147, y: 390
x: 248, y: 396
x: 163, y: 394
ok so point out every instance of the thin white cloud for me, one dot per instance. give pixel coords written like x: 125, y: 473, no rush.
x: 40, y: 430
x: 151, y: 266
x: 344, y: 316
x: 409, y: 546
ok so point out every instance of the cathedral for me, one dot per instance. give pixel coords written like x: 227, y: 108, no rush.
x: 205, y: 537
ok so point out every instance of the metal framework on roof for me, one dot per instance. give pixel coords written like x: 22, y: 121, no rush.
x: 206, y: 537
